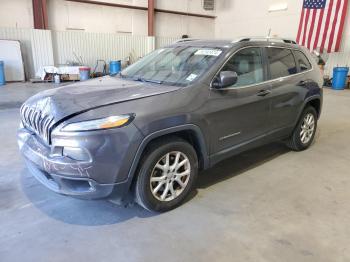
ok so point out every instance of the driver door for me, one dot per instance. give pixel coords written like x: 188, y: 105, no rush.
x: 239, y: 113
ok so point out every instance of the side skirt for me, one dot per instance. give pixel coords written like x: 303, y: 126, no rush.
x: 270, y: 137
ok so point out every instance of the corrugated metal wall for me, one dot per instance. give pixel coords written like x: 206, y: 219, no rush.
x: 24, y: 36
x: 164, y: 41
x: 88, y: 47
x: 42, y: 50
x: 46, y: 47
x: 36, y: 47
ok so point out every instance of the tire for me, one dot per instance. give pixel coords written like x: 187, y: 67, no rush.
x: 296, y: 141
x: 166, y: 176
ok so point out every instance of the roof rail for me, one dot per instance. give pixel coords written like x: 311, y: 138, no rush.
x: 185, y: 40
x: 264, y: 38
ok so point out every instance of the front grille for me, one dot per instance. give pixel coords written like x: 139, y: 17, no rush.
x: 36, y: 121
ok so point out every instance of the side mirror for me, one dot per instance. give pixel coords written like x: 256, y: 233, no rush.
x: 225, y: 79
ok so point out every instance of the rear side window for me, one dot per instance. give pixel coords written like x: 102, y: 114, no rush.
x: 281, y: 62
x: 302, y: 61
x: 248, y: 65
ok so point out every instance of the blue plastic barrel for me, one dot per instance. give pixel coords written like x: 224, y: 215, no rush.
x: 114, y: 67
x: 84, y: 73
x: 2, y: 73
x: 340, y: 75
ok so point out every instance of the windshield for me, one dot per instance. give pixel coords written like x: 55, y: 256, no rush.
x: 179, y: 65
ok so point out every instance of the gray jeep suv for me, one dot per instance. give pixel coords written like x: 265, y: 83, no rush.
x: 178, y: 110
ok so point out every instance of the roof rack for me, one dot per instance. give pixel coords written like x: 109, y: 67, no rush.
x: 264, y: 38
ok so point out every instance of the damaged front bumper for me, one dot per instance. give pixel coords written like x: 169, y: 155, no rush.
x: 90, y: 165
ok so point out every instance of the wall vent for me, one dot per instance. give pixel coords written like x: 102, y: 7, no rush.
x: 209, y: 5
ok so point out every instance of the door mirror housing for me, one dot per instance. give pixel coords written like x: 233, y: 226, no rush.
x: 225, y: 79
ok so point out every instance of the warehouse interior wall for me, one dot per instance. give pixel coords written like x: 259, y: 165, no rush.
x: 195, y: 27
x: 234, y: 18
x: 16, y: 14
x: 70, y: 16
x: 237, y: 18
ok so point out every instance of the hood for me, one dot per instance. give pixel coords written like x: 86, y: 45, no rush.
x: 79, y: 97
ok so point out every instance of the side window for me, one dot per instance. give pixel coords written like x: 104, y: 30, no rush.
x: 302, y: 61
x: 281, y: 62
x: 248, y: 65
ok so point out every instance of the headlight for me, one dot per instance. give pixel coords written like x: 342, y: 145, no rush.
x: 98, y: 124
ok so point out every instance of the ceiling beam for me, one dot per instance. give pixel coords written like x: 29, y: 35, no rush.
x: 157, y: 10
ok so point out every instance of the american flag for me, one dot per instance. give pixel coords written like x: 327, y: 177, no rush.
x: 321, y: 24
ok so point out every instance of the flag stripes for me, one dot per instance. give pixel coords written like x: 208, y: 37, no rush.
x: 321, y: 24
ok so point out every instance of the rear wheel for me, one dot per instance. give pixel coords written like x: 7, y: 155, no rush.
x: 167, y: 174
x: 305, y: 130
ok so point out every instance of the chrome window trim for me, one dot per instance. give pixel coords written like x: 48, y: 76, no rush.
x: 263, y: 82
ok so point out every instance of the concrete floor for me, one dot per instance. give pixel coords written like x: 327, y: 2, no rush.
x: 268, y: 204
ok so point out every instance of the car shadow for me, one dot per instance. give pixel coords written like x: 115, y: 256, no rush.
x: 103, y: 212
x: 77, y: 211
x: 239, y: 164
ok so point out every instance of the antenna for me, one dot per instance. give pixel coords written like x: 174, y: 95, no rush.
x: 269, y: 33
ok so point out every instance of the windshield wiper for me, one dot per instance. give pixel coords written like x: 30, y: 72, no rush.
x: 153, y: 81
x: 141, y: 79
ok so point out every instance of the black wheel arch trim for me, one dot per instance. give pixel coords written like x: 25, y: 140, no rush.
x: 311, y: 98
x: 168, y: 131
x: 306, y: 101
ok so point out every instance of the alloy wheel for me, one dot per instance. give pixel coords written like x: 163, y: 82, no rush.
x: 307, y: 128
x: 170, y: 176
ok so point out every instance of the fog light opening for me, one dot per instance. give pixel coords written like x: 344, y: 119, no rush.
x: 75, y: 153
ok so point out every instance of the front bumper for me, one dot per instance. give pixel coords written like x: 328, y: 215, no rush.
x: 72, y: 186
x: 98, y: 164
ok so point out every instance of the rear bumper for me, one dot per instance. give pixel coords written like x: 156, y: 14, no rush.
x: 90, y: 165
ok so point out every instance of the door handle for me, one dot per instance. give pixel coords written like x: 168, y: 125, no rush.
x: 263, y: 92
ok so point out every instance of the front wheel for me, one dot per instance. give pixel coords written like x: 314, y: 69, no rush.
x: 167, y: 174
x: 305, y: 130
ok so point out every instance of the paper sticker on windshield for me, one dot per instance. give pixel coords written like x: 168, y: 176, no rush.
x: 191, y: 77
x: 211, y: 52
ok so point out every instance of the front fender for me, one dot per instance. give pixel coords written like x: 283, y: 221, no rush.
x: 171, y: 130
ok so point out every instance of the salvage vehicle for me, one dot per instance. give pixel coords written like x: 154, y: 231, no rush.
x: 181, y: 109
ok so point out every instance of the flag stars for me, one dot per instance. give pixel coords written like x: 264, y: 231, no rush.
x: 314, y: 4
